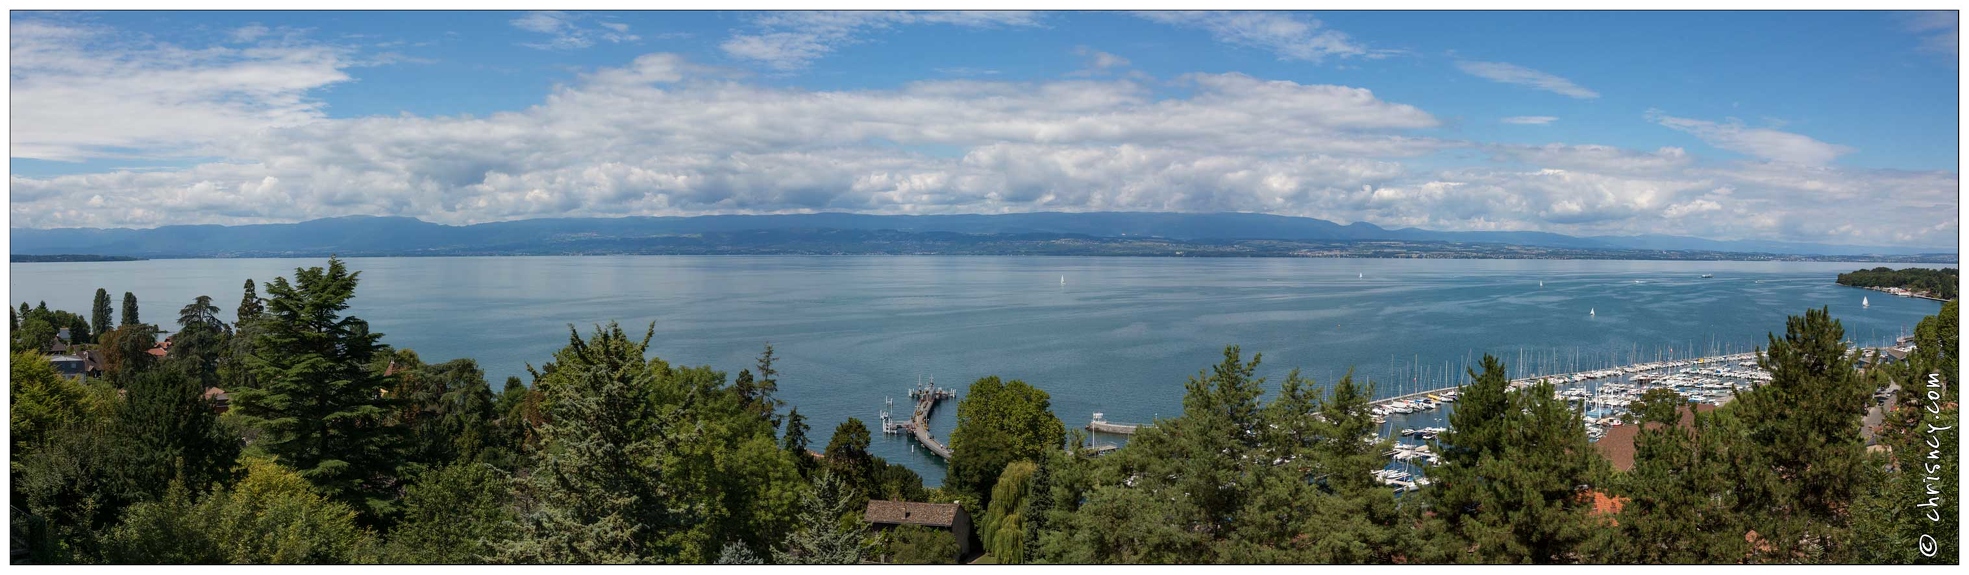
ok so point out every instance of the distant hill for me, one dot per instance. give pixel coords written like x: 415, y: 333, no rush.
x: 369, y: 235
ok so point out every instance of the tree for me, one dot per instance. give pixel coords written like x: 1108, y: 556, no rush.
x: 200, y: 312
x: 129, y: 310
x: 998, y: 423
x: 1679, y: 501
x: 315, y: 404
x: 166, y: 430
x: 597, y: 494
x: 34, y: 336
x: 1515, y: 488
x: 42, y: 402
x: 848, y: 459
x: 1805, y: 425
x: 250, y: 305
x: 1921, y: 430
x: 100, y: 318
x: 455, y: 514
x: 919, y: 545
x: 757, y: 394
x: 1001, y: 528
x: 126, y: 350
x: 273, y: 516
x: 795, y: 444
x: 826, y: 533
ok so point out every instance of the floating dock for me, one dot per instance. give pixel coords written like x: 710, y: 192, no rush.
x: 1100, y: 424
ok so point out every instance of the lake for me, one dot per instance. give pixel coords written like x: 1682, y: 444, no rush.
x: 1120, y: 335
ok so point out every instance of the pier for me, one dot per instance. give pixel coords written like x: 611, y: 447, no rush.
x: 927, y: 396
x: 1100, y: 424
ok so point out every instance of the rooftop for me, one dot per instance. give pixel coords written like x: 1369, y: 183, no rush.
x: 911, y: 513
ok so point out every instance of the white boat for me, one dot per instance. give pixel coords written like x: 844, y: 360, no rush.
x: 1063, y: 280
x: 1589, y: 311
x: 1863, y: 303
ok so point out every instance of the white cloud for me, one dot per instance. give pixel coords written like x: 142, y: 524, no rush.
x: 1287, y: 36
x: 1522, y: 76
x: 1098, y: 61
x: 1763, y: 143
x: 663, y: 136
x: 789, y: 41
x: 567, y: 31
x: 81, y: 92
x: 1530, y: 120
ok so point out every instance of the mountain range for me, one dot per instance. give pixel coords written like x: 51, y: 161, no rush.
x: 404, y: 236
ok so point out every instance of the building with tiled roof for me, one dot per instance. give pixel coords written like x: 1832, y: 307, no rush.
x: 945, y: 516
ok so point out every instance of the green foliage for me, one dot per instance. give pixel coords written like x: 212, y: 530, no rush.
x: 1915, y: 480
x: 272, y: 516
x: 126, y: 350
x: 999, y: 423
x: 598, y: 493
x: 1679, y: 503
x: 1517, y: 486
x: 166, y: 430
x: 1939, y: 283
x: 827, y: 530
x: 1002, y: 527
x: 99, y: 314
x: 33, y: 336
x: 250, y: 304
x: 1805, y: 426
x: 129, y: 310
x: 314, y: 402
x: 42, y: 401
x: 460, y: 513
x: 919, y: 545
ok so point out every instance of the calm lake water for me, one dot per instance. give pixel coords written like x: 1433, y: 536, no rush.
x: 1120, y: 336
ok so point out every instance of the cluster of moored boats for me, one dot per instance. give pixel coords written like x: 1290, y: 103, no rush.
x: 1426, y: 402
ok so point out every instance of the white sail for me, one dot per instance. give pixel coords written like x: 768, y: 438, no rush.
x: 1589, y: 311
x: 1863, y: 302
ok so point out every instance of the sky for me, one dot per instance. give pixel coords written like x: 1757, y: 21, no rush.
x: 1832, y: 127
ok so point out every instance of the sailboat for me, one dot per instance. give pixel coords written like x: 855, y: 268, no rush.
x: 1361, y: 275
x: 1863, y: 303
x: 1063, y: 280
x: 1541, y: 283
x: 1589, y: 311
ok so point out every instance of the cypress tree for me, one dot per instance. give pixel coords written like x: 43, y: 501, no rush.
x: 99, y: 318
x: 129, y: 309
x: 316, y: 404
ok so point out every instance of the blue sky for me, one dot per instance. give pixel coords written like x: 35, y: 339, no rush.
x: 1808, y: 126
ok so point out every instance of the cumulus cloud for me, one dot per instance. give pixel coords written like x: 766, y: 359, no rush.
x: 1530, y: 120
x: 664, y: 136
x: 1763, y: 143
x: 1519, y: 75
x: 569, y: 31
x: 81, y: 92
x: 1290, y: 37
x: 789, y: 41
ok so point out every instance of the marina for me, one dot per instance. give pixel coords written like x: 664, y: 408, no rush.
x: 927, y: 396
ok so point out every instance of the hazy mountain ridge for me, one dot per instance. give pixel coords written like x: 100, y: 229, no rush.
x: 410, y: 236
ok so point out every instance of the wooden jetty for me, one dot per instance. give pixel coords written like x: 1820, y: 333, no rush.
x: 927, y: 396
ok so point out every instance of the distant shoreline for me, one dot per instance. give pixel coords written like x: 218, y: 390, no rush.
x: 62, y: 258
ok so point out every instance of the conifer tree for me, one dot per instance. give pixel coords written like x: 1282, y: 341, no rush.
x: 315, y: 403
x: 824, y: 535
x: 250, y: 305
x: 1805, y: 425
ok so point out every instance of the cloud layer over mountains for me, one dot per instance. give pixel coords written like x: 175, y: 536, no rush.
x: 664, y: 135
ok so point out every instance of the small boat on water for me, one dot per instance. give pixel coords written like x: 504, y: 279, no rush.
x: 1863, y: 303
x: 1589, y: 311
x: 1707, y: 276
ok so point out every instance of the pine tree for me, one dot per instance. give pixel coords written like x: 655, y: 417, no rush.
x: 1805, y: 424
x: 315, y: 403
x: 99, y: 318
x: 129, y: 310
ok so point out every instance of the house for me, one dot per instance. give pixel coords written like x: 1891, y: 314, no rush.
x: 92, y: 362
x: 885, y: 515
x: 61, y: 345
x: 1618, y: 444
x: 69, y: 365
x: 220, y: 402
x: 162, y: 348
